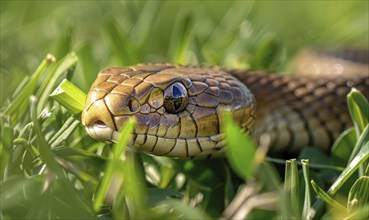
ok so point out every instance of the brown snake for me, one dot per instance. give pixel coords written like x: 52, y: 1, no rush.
x: 177, y: 108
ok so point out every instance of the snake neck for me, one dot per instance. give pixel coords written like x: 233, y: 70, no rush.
x: 299, y: 111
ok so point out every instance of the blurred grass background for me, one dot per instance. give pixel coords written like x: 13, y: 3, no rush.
x: 225, y: 33
x: 49, y: 155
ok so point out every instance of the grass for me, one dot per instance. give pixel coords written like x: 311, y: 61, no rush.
x: 50, y: 168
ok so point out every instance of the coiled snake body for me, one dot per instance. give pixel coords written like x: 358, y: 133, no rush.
x: 178, y: 108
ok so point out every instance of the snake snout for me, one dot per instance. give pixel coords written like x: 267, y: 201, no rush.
x: 98, y: 121
x: 102, y: 128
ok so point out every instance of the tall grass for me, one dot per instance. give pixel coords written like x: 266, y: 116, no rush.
x: 51, y: 169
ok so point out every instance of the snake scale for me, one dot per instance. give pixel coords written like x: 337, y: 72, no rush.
x: 178, y: 108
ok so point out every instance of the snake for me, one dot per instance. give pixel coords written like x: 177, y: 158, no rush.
x: 178, y: 109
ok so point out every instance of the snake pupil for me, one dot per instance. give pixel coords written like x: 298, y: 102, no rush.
x: 175, y: 98
x: 177, y: 103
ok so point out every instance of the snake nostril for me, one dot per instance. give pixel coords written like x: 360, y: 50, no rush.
x: 130, y: 104
x: 100, y: 124
x: 133, y: 105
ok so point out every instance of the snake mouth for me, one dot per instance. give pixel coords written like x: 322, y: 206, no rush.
x: 101, y: 132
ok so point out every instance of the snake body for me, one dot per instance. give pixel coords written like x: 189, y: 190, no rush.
x: 178, y: 109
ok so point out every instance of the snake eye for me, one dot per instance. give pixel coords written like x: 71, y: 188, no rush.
x: 175, y: 98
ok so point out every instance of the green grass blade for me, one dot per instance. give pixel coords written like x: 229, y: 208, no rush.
x: 181, y: 37
x: 343, y: 147
x: 241, y: 150
x: 359, y: 108
x: 284, y: 210
x: 356, y: 162
x: 364, y: 137
x: 76, y: 154
x: 269, y: 176
x: 65, y: 126
x: 15, y: 193
x: 133, y: 188
x: 66, y: 132
x: 121, y: 44
x: 64, y: 45
x: 307, y: 197
x: 6, y: 148
x: 144, y: 25
x: 20, y: 87
x: 68, y: 62
x: 229, y: 192
x: 156, y: 195
x: 18, y: 106
x: 223, y: 33
x: 266, y: 54
x: 315, y: 166
x: 111, y: 166
x: 360, y: 158
x: 87, y: 65
x: 69, y: 96
x: 181, y: 211
x: 49, y: 158
x: 361, y: 213
x: 326, y: 197
x: 291, y: 185
x: 359, y: 194
x: 167, y: 173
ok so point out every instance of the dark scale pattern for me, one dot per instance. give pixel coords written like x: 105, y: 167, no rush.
x: 140, y: 91
x: 356, y: 56
x: 300, y: 111
x: 295, y: 111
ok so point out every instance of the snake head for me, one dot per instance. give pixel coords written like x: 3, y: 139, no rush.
x: 177, y: 108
